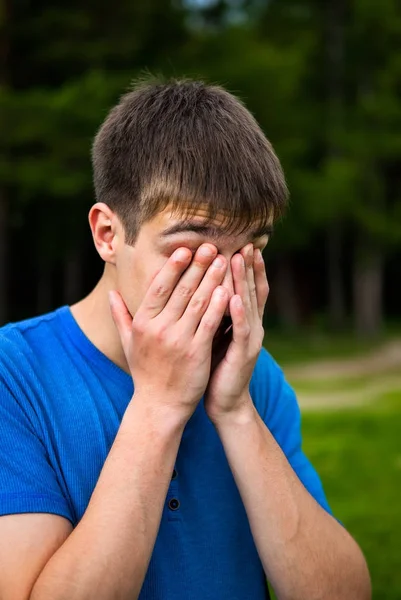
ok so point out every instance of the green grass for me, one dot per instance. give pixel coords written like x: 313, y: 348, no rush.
x: 356, y: 451
x: 358, y: 456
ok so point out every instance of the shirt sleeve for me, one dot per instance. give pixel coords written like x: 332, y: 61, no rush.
x: 28, y: 483
x: 283, y: 418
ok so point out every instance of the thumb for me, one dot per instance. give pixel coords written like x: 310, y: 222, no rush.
x: 121, y: 317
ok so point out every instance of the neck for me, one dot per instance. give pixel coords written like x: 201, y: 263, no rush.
x: 94, y: 318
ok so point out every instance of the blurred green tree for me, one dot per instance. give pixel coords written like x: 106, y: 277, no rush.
x: 351, y: 90
x: 68, y: 65
x: 323, y: 79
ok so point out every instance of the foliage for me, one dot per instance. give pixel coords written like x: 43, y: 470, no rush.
x: 333, y: 118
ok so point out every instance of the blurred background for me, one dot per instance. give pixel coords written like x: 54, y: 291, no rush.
x: 323, y: 78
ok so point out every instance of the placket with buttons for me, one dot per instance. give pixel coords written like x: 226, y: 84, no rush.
x: 173, y: 501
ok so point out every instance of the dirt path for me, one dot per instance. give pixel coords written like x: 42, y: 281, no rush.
x: 365, y: 394
x: 382, y: 368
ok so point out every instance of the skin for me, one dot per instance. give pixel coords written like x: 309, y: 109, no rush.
x: 161, y: 302
x: 295, y: 536
x: 127, y: 272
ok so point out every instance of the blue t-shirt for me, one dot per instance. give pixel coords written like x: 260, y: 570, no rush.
x: 61, y: 404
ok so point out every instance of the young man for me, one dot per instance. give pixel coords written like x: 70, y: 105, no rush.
x: 149, y: 447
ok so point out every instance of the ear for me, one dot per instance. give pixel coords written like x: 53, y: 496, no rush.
x: 107, y: 231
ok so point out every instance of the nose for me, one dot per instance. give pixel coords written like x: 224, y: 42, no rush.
x: 228, y: 284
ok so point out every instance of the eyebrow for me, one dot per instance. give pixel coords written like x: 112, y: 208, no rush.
x: 210, y: 230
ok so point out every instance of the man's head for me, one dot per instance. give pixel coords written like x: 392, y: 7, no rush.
x: 171, y: 154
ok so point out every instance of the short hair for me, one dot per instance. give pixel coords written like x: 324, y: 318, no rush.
x: 186, y: 144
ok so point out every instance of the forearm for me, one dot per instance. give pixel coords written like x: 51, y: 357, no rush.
x: 306, y: 554
x: 108, y: 553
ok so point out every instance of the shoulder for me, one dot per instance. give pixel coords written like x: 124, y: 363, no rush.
x: 21, y: 345
x: 28, y: 326
x: 25, y: 369
x: 17, y: 336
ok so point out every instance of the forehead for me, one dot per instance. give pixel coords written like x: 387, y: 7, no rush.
x: 186, y: 220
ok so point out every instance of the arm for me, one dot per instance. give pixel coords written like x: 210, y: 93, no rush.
x: 27, y: 542
x: 306, y: 554
x: 108, y: 553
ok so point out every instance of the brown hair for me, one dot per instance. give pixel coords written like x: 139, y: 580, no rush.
x: 187, y: 144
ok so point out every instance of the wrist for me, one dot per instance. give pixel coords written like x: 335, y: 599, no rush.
x: 160, y: 414
x: 242, y: 413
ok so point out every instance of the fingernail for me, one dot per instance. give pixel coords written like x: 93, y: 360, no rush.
x: 242, y: 261
x: 181, y: 255
x: 218, y: 263
x: 206, y: 251
x: 258, y: 255
x: 111, y: 298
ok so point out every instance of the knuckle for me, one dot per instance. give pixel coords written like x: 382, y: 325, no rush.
x: 185, y: 291
x: 174, y: 342
x: 161, y: 332
x: 208, y: 324
x: 246, y: 331
x: 258, y: 345
x: 191, y: 353
x: 161, y: 291
x: 199, y: 304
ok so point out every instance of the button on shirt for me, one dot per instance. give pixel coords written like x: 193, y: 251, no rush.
x: 61, y: 404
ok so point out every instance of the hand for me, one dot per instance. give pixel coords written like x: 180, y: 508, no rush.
x: 235, y: 355
x: 168, y: 343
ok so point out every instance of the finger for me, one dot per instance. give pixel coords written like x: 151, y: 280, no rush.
x: 212, y: 318
x: 190, y: 281
x: 240, y: 281
x: 121, y: 317
x: 261, y: 283
x: 248, y: 253
x: 164, y: 283
x: 241, y: 326
x: 199, y: 302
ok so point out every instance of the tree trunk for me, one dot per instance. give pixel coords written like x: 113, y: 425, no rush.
x: 73, y: 278
x: 335, y: 277
x: 284, y: 285
x: 368, y: 289
x: 3, y: 260
x: 335, y: 54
